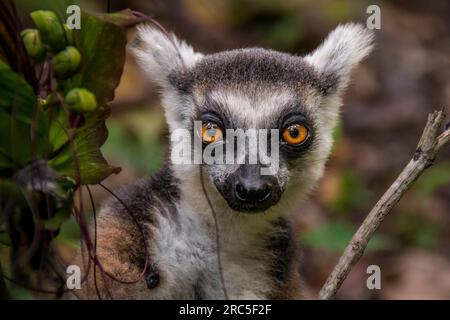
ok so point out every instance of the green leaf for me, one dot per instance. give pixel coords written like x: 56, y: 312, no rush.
x: 70, y: 234
x: 15, y: 92
x: 102, y: 47
x: 55, y: 222
x: 101, y: 43
x: 335, y: 237
x: 58, y: 136
x: 82, y: 160
x: 124, y: 18
x: 23, y: 125
x: 13, y: 192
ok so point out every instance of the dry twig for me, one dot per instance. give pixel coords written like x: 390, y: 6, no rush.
x: 431, y: 142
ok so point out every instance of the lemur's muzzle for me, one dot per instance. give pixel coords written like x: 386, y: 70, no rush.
x: 250, y: 191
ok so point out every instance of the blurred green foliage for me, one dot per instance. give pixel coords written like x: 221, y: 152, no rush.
x: 48, y: 150
x: 414, y: 229
x: 433, y: 178
x: 352, y: 194
x: 335, y: 236
x: 135, y: 140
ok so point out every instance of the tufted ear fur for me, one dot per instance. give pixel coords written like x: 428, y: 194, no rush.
x: 341, y: 52
x: 162, y: 56
x: 159, y: 54
x: 343, y: 49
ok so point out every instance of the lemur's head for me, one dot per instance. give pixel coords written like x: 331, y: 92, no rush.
x: 254, y: 89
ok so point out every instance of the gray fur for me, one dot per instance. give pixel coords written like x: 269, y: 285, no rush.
x: 254, y: 67
x: 246, y: 88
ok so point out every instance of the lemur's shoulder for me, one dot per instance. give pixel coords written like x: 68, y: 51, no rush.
x: 144, y: 195
x: 134, y: 211
x: 124, y: 230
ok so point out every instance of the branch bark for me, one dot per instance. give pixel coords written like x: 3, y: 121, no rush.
x: 431, y: 142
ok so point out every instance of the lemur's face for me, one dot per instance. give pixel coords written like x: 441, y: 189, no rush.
x: 252, y: 92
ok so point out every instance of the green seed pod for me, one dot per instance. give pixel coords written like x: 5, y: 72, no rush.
x: 69, y: 35
x: 33, y: 44
x: 51, y: 30
x: 81, y: 100
x: 49, y: 101
x: 42, y: 102
x: 66, y: 61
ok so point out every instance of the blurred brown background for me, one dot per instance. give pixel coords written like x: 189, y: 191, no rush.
x: 384, y: 112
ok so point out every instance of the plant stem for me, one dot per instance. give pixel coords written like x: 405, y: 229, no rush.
x: 428, y: 147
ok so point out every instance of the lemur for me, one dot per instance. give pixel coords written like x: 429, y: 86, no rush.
x: 163, y: 227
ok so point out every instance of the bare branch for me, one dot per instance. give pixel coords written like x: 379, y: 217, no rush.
x: 429, y: 145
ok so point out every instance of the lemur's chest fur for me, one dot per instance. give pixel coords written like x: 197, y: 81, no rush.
x: 258, y: 259
x: 255, y: 259
x: 188, y: 256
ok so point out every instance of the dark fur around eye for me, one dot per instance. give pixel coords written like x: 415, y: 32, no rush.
x: 212, y: 117
x: 215, y: 118
x: 213, y: 111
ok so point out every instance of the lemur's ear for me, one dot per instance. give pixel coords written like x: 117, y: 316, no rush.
x: 161, y: 54
x: 341, y: 51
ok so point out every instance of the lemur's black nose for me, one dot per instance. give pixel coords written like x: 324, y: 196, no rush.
x: 252, y: 190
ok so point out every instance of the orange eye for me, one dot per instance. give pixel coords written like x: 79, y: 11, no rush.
x: 211, y: 132
x: 295, y: 134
